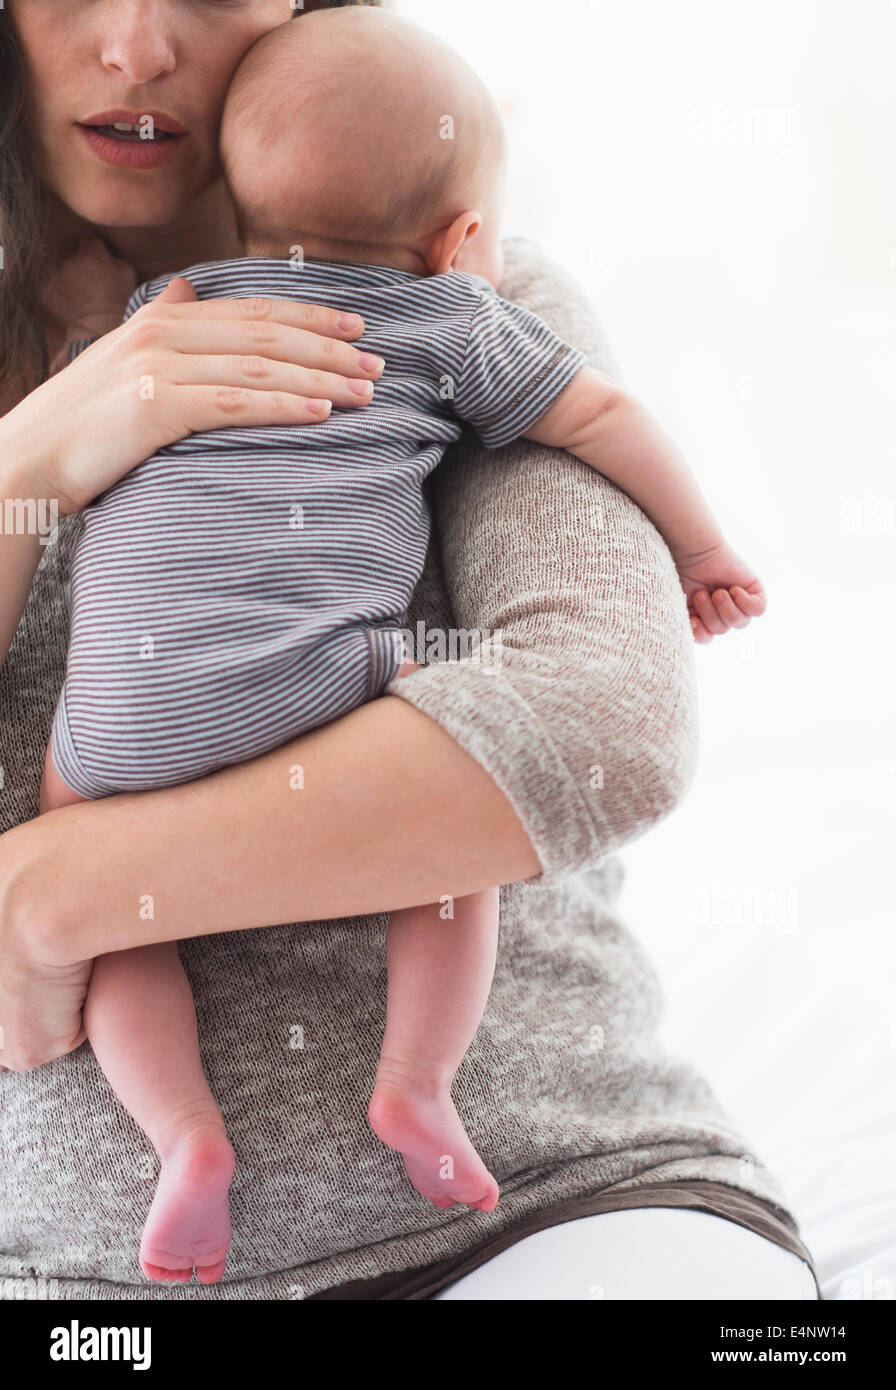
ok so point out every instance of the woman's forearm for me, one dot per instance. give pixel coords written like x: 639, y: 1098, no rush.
x: 377, y: 811
x: 22, y: 516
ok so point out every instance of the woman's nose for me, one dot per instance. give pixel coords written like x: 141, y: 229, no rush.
x: 137, y: 38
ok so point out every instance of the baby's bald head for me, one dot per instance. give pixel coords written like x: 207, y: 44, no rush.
x: 358, y: 126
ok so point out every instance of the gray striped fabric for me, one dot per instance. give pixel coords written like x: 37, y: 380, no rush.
x: 245, y: 585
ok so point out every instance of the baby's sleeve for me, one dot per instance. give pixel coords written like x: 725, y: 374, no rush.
x: 140, y: 297
x: 514, y: 368
x: 76, y: 347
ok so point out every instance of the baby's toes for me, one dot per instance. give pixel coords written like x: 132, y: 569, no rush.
x: 166, y: 1276
x: 210, y: 1274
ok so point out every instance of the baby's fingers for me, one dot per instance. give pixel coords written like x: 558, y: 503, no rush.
x: 728, y: 610
x: 705, y: 609
x: 751, y: 601
x: 701, y: 636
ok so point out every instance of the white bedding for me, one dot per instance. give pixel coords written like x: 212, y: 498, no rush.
x: 766, y: 903
x: 768, y: 898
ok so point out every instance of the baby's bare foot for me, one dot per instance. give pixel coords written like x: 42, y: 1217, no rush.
x: 425, y: 1128
x: 188, y: 1225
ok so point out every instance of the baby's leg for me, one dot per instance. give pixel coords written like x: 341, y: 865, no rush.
x: 141, y: 1023
x: 440, y: 972
x: 54, y: 793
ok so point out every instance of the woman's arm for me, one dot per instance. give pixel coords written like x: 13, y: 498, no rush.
x: 392, y: 813
x: 20, y: 545
x: 588, y: 725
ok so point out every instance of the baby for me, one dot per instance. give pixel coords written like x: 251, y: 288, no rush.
x: 243, y: 586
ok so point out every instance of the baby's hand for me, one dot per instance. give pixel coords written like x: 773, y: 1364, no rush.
x: 722, y: 591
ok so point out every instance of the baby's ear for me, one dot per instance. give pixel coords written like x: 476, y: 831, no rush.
x: 450, y: 242
x: 470, y: 222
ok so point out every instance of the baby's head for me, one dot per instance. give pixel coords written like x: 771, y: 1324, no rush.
x: 358, y: 136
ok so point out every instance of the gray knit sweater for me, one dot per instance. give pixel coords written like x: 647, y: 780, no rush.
x: 589, y: 729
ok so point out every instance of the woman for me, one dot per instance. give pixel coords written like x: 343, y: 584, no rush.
x: 613, y: 1159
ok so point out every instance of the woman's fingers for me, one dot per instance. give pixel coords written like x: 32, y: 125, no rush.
x: 259, y: 373
x: 223, y: 407
x: 254, y: 338
x: 259, y: 344
x: 313, y: 318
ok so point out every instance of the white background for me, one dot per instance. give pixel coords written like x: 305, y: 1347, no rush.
x: 720, y: 178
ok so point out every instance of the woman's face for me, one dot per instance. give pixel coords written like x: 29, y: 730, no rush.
x: 160, y: 66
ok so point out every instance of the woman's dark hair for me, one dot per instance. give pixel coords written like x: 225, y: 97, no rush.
x: 27, y: 257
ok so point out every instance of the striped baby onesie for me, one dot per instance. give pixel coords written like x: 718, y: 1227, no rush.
x: 243, y: 586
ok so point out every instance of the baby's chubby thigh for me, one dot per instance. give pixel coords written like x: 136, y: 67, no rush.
x: 54, y: 792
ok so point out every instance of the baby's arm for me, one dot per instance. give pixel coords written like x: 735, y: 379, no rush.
x: 603, y: 425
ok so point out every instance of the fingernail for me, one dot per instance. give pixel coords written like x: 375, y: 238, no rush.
x: 369, y: 363
x: 350, y: 321
x: 360, y: 388
x: 320, y: 407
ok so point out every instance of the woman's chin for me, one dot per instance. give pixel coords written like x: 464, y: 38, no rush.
x: 110, y: 196
x: 114, y: 201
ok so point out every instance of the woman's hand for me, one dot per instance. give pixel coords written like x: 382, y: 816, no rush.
x: 41, y: 1000
x: 176, y: 367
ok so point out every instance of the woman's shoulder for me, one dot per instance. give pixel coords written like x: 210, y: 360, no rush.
x: 538, y: 282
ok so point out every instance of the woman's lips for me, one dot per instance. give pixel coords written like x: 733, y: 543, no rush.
x: 130, y: 152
